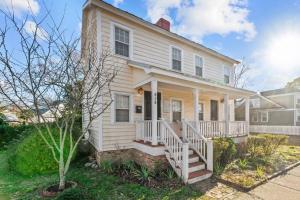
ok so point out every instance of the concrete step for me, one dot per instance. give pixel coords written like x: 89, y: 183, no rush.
x: 196, y: 166
x: 199, y: 176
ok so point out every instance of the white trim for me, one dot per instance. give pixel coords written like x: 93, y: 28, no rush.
x: 171, y: 58
x: 112, y: 108
x: 203, y: 64
x: 285, y: 94
x: 171, y: 108
x: 230, y: 74
x: 261, y: 116
x: 112, y: 39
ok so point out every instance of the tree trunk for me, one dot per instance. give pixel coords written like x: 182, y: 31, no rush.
x: 62, y: 178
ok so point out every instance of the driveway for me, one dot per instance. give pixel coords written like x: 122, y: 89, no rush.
x: 285, y: 187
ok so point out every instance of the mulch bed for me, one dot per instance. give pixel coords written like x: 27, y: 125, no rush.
x: 53, y: 190
x: 257, y: 183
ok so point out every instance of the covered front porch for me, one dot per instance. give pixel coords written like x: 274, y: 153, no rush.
x: 209, y: 110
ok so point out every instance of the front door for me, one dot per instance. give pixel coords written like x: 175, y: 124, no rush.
x: 214, y: 110
x: 176, y: 110
x: 148, y: 105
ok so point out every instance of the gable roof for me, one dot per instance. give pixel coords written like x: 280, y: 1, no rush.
x: 280, y: 91
x: 130, y: 16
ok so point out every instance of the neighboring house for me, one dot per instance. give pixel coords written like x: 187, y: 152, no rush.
x: 274, y: 111
x: 170, y: 97
x: 48, y: 115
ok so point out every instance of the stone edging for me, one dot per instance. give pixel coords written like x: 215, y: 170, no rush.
x: 247, y: 189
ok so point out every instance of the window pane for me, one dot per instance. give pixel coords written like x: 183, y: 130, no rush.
x: 176, y: 106
x: 176, y: 65
x: 121, y: 35
x: 226, y: 79
x: 122, y: 115
x: 122, y: 49
x: 199, y: 71
x: 201, y: 116
x: 176, y: 54
x: 122, y: 102
x: 198, y: 61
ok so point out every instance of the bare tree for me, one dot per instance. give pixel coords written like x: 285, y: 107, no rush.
x: 240, y: 72
x: 44, y: 69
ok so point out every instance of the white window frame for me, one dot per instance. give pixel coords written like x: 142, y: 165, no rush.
x: 171, y: 107
x: 252, y: 117
x: 201, y: 103
x: 229, y: 69
x: 113, y: 108
x: 113, y: 25
x: 171, y: 58
x: 203, y: 63
x: 261, y: 116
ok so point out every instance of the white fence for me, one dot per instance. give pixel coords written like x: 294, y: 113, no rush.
x: 285, y: 130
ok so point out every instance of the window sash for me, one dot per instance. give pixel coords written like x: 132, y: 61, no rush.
x: 122, y: 108
x: 176, y: 59
x: 254, y: 117
x: 201, y: 112
x: 199, y: 71
x: 298, y: 116
x: 226, y: 79
x: 264, y: 117
x: 122, y: 42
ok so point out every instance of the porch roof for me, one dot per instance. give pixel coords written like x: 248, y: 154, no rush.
x: 187, y: 80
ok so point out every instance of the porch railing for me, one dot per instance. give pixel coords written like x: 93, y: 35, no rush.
x: 211, y: 129
x: 285, y: 130
x: 144, y: 130
x: 238, y: 128
x: 200, y: 144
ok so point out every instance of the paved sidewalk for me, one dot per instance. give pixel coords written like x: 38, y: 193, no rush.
x: 285, y: 187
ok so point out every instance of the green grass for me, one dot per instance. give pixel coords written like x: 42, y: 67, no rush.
x: 97, y: 183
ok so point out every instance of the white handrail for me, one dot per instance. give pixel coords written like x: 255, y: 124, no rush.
x: 197, y: 141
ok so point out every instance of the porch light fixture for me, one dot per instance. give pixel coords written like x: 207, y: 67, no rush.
x: 140, y: 91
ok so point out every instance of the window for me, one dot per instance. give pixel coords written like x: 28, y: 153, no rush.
x: 226, y: 75
x: 121, y: 42
x: 199, y: 66
x: 264, y: 116
x: 298, y: 100
x: 122, y: 108
x: 254, y: 117
x: 176, y: 59
x: 201, y: 112
x: 298, y: 115
x: 255, y: 103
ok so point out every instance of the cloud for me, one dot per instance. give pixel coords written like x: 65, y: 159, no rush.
x: 32, y: 28
x: 20, y: 6
x: 116, y: 3
x: 198, y: 18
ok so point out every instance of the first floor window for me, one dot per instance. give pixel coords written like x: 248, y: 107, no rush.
x: 226, y: 75
x: 264, y: 116
x: 176, y: 59
x: 122, y: 111
x: 121, y: 42
x: 201, y: 112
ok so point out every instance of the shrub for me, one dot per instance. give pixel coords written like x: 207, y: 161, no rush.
x: 143, y: 174
x: 224, y: 151
x: 33, y: 156
x: 264, y: 144
x: 243, y: 164
x: 107, y: 166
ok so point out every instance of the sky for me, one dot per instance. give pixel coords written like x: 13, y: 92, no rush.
x: 265, y: 34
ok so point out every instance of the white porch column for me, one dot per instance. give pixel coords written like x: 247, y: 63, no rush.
x: 154, y: 111
x: 196, y: 107
x: 247, y: 113
x: 226, y: 113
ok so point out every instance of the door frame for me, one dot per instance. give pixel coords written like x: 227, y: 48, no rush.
x: 171, y: 107
x: 143, y: 103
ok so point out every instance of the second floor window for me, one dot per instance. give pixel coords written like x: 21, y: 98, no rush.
x: 255, y: 103
x: 199, y: 66
x: 176, y: 59
x: 226, y: 75
x: 121, y: 42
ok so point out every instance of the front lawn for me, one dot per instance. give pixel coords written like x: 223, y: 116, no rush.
x: 93, y: 184
x: 262, y: 157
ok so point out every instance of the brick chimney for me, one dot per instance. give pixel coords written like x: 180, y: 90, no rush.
x: 163, y: 23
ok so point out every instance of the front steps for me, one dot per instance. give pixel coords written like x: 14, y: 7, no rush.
x: 197, y: 168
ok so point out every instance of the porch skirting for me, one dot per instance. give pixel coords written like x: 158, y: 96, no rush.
x: 141, y: 158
